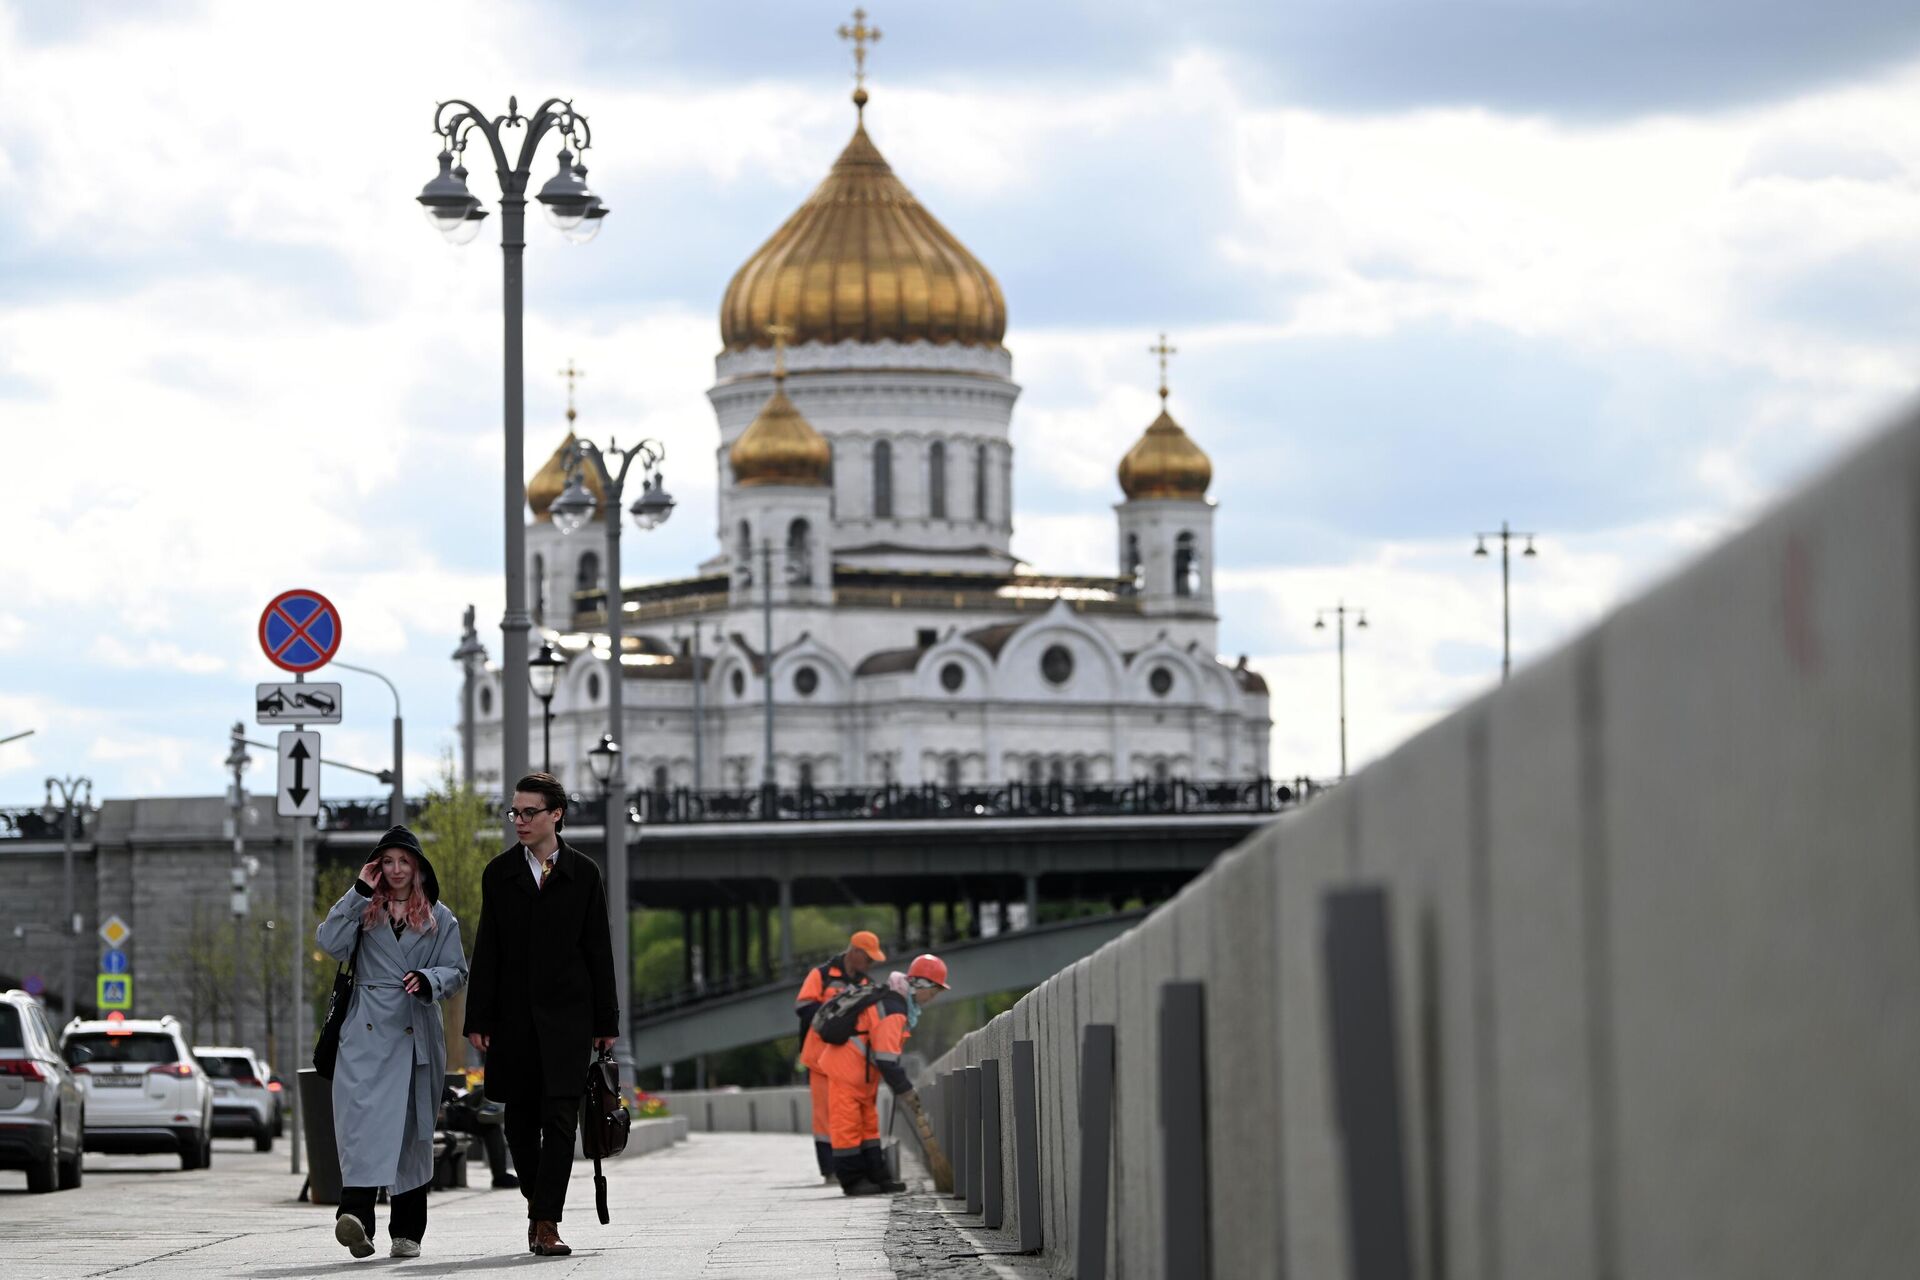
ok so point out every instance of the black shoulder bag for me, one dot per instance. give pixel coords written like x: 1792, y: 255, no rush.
x: 604, y: 1122
x: 327, y: 1048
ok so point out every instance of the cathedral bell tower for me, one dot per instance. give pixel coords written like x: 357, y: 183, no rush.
x: 782, y: 505
x: 558, y: 566
x: 1166, y: 522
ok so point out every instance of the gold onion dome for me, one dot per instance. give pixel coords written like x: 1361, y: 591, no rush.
x: 551, y: 478
x: 780, y: 446
x: 863, y: 260
x: 1165, y: 463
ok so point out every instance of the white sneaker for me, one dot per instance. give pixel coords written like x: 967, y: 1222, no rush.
x: 351, y: 1232
x: 403, y: 1248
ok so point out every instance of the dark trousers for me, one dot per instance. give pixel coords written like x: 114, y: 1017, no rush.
x: 540, y: 1134
x: 407, y: 1219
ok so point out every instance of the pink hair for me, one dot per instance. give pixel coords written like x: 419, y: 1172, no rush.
x: 419, y: 914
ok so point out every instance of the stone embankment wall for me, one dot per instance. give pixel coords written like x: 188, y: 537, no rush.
x: 1613, y: 972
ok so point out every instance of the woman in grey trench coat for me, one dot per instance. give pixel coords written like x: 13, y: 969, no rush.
x: 393, y: 1052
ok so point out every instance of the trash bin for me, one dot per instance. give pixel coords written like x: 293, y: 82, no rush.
x: 323, y: 1156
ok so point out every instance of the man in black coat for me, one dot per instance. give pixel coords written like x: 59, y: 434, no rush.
x: 541, y: 996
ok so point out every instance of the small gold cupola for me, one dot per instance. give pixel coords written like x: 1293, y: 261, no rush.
x: 551, y: 478
x: 1165, y: 462
x: 780, y: 446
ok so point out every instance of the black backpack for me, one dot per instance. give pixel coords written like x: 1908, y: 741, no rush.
x: 836, y: 1020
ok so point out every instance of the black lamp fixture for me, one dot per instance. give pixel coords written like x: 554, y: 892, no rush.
x: 601, y: 758
x: 543, y: 673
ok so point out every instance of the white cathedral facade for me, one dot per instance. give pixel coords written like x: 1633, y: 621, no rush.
x: 865, y: 479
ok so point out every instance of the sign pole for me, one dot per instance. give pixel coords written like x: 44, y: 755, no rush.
x: 298, y: 1027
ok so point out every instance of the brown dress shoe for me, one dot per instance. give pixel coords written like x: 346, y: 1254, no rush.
x: 547, y: 1242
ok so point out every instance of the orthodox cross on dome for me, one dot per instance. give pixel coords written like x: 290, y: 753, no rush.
x: 861, y: 34
x: 1163, y: 349
x: 572, y: 375
x: 779, y: 333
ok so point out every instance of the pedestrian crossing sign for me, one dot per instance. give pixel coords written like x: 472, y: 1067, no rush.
x: 115, y: 991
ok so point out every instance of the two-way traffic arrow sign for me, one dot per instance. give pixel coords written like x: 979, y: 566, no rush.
x: 299, y: 792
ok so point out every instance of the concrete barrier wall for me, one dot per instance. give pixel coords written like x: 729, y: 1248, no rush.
x: 743, y: 1110
x: 1654, y: 946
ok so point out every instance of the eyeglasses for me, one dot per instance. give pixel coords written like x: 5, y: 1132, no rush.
x: 526, y: 815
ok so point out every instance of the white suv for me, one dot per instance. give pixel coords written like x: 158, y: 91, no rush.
x: 243, y: 1102
x: 144, y: 1090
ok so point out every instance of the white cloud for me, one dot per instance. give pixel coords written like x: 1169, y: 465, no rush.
x: 280, y: 376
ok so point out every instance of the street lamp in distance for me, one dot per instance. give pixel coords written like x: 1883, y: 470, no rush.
x: 543, y: 673
x: 1506, y: 536
x: 571, y: 512
x: 1339, y: 613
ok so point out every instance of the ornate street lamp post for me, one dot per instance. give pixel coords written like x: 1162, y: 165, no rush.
x: 571, y: 511
x: 76, y: 797
x: 1339, y: 613
x: 1506, y: 537
x: 455, y: 212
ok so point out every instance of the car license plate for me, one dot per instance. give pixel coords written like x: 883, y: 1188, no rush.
x: 118, y: 1082
x: 223, y: 1086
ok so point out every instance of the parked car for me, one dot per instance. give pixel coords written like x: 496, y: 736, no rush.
x: 244, y: 1104
x: 42, y: 1109
x: 144, y: 1092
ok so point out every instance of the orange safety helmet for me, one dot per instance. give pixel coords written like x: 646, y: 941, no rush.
x: 930, y: 967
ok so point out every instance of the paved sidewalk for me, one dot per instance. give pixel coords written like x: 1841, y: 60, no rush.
x: 716, y: 1207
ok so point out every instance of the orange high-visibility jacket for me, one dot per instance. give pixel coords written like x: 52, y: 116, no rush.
x: 824, y: 982
x: 878, y: 1040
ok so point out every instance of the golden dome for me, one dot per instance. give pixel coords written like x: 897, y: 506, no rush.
x: 780, y: 447
x: 551, y: 478
x: 1165, y: 463
x: 863, y: 260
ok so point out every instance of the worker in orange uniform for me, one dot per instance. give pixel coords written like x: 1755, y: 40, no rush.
x: 823, y: 983
x: 855, y: 1063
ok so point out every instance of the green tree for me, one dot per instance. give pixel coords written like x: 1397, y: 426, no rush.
x: 460, y: 834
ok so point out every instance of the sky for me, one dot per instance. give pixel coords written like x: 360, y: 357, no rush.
x: 1620, y: 274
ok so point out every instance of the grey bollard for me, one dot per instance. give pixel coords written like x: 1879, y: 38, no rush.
x: 970, y: 1102
x: 323, y: 1154
x: 1026, y: 1148
x: 995, y: 1200
x: 953, y: 1085
x: 1096, y: 1151
x: 1357, y: 941
x: 1183, y: 1129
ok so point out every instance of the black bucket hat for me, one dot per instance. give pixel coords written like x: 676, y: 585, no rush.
x: 401, y: 838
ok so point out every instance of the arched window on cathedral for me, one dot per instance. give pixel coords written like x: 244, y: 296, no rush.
x: 882, y: 480
x: 743, y: 552
x: 800, y: 553
x: 539, y: 590
x: 951, y: 768
x: 806, y: 775
x: 980, y: 483
x: 1186, y: 564
x: 586, y: 572
x: 660, y: 779
x: 937, y: 480
x: 1034, y: 767
x: 1130, y: 570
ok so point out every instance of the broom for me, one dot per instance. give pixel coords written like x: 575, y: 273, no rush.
x: 937, y: 1163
